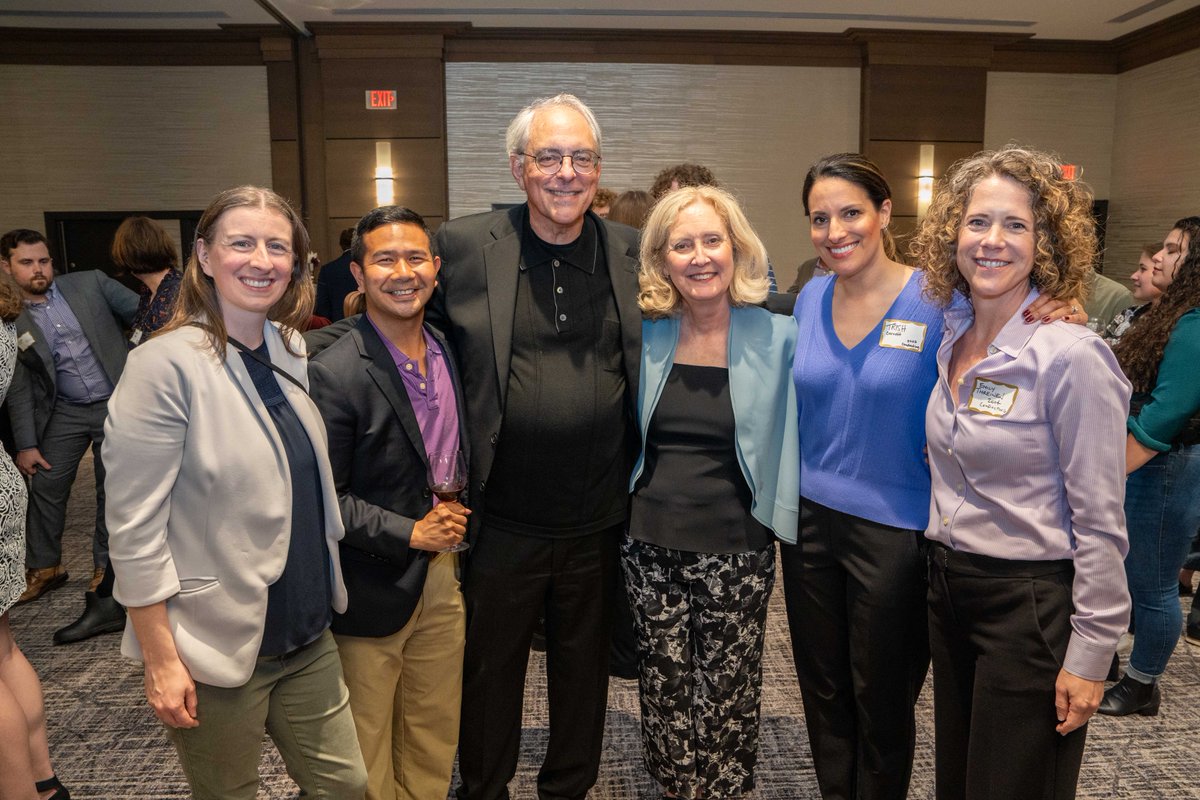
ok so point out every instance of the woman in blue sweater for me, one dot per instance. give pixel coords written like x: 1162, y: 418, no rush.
x: 855, y: 582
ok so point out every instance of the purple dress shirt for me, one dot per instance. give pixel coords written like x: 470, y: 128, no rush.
x: 431, y: 395
x: 1027, y: 457
x: 80, y: 378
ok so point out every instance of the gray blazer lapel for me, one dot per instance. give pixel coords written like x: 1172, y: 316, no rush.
x: 41, y: 347
x: 82, y: 308
x: 501, y: 264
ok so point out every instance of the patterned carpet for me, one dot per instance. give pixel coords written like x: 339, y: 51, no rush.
x: 106, y: 743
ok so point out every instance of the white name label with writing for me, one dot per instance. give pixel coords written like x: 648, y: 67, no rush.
x: 903, y: 334
x: 990, y: 397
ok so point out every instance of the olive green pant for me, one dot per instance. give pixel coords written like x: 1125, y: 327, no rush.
x: 302, y: 702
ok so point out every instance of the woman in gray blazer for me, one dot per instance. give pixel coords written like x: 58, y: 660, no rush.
x: 223, y: 516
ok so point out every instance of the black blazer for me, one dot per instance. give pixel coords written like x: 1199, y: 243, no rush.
x: 379, y: 469
x: 474, y: 306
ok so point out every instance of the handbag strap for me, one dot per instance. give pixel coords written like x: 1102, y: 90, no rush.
x: 266, y: 362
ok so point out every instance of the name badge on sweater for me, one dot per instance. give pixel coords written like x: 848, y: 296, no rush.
x: 25, y: 340
x: 136, y: 337
x: 990, y: 397
x: 903, y: 334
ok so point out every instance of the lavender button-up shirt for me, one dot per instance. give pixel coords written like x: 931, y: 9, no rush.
x: 431, y: 395
x: 1027, y: 456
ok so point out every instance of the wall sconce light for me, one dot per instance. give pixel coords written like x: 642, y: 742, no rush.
x: 925, y: 180
x: 385, y: 181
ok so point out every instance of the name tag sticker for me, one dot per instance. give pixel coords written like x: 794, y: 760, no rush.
x: 135, y: 337
x: 990, y: 397
x: 25, y: 340
x: 903, y: 334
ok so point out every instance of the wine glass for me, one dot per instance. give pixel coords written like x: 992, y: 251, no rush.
x: 448, y: 477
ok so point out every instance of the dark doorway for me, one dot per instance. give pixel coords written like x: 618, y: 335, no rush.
x: 82, y: 240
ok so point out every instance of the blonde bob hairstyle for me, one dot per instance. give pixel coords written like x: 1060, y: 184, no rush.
x: 658, y: 297
x: 197, y: 302
x: 1064, y: 232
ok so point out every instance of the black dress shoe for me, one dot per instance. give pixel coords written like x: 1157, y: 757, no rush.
x: 100, y: 615
x: 1131, y: 697
x: 1114, y: 669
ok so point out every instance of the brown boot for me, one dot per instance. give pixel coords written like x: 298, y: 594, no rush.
x: 40, y: 581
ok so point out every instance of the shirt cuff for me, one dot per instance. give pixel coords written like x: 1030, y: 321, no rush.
x: 1088, y: 660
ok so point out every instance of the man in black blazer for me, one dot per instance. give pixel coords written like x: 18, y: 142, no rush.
x: 539, y: 304
x: 71, y: 352
x: 389, y: 395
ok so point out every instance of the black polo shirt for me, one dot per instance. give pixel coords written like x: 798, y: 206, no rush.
x: 561, y: 466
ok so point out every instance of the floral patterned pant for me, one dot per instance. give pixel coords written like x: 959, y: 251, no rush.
x: 700, y: 619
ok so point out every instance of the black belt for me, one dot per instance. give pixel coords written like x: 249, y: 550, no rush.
x: 959, y: 561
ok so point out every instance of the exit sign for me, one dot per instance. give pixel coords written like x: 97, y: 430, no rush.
x: 381, y: 99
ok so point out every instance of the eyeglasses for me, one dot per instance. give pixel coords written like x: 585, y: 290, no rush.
x: 549, y: 162
x: 685, y: 247
x: 276, y: 250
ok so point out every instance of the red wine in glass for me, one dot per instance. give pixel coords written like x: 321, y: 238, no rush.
x: 447, y: 478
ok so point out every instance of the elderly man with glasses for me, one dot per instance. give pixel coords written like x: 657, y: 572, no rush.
x: 539, y: 304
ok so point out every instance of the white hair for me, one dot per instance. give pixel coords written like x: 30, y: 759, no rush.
x: 517, y: 137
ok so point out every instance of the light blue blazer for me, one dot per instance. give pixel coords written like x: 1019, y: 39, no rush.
x: 761, y: 349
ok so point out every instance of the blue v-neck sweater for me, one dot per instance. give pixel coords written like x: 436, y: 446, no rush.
x: 862, y: 409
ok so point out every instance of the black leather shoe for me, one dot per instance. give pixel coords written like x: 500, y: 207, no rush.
x: 100, y: 615
x: 1114, y: 669
x: 1131, y: 697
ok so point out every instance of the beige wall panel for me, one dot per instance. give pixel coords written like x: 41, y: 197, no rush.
x: 92, y: 138
x: 1071, y: 115
x: 418, y: 164
x: 757, y: 128
x: 1156, y: 157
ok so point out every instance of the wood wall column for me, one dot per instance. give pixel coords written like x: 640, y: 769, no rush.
x: 921, y: 89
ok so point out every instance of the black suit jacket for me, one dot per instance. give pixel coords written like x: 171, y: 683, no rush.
x: 474, y: 306
x: 379, y: 469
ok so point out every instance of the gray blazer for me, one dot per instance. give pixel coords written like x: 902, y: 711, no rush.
x: 104, y: 309
x: 199, y: 497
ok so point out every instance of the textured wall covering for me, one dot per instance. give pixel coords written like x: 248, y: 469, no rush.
x: 119, y: 138
x: 1156, y: 155
x: 757, y: 128
x: 1071, y: 115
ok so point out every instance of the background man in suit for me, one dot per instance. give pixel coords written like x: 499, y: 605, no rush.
x: 389, y: 396
x: 539, y: 304
x: 334, y: 282
x: 72, y: 349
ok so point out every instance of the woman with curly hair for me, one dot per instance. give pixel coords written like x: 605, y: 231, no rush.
x: 1025, y: 429
x: 1162, y: 497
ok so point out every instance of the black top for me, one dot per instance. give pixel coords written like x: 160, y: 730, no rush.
x: 692, y: 495
x: 300, y: 603
x: 561, y: 465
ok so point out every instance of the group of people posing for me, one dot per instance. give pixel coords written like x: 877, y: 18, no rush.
x: 940, y: 450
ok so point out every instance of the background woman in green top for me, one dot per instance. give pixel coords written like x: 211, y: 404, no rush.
x: 1162, y: 497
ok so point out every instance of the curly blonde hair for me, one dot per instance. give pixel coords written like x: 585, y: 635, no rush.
x: 658, y: 297
x: 1065, y: 245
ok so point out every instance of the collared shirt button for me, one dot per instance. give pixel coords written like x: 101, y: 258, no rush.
x: 422, y: 385
x: 949, y: 451
x: 554, y: 263
x: 558, y: 289
x: 562, y: 317
x: 961, y: 381
x: 408, y: 367
x: 945, y: 520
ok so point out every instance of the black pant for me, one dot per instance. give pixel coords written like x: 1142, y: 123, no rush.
x: 855, y: 594
x: 510, y: 581
x: 998, y: 630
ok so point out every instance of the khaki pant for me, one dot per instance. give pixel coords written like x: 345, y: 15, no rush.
x: 405, y: 692
x: 301, y: 701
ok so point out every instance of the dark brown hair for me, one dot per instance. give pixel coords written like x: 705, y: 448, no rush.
x: 631, y: 208
x: 1140, y: 350
x: 861, y: 171
x: 683, y: 174
x: 142, y: 246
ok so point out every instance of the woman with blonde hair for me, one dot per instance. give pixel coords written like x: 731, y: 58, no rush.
x: 1025, y: 431
x: 715, y: 483
x: 224, y: 518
